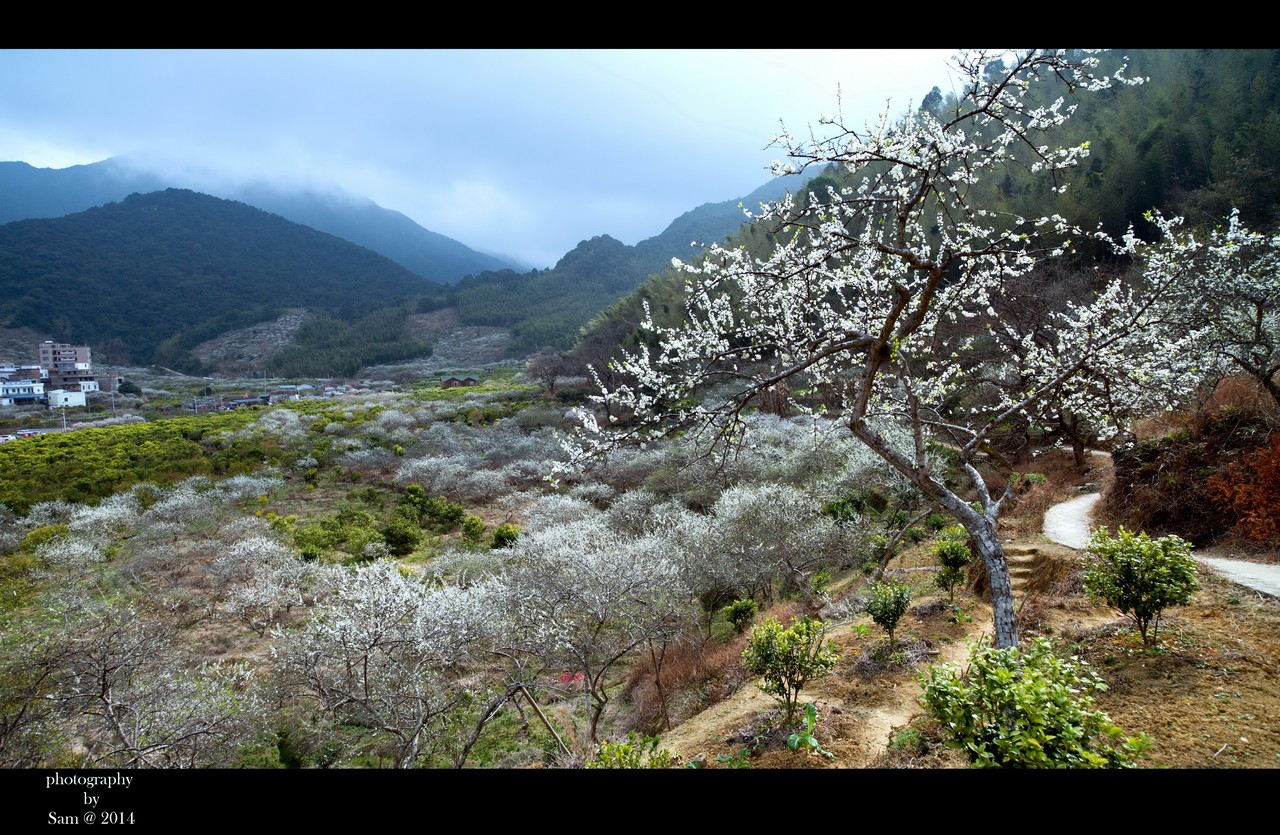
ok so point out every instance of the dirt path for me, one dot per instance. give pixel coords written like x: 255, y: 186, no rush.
x: 1258, y: 576
x: 1068, y: 523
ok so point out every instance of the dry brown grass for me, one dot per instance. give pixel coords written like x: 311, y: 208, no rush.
x: 1241, y: 393
x: 695, y: 675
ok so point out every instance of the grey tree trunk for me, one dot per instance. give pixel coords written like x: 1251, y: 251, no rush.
x: 992, y: 553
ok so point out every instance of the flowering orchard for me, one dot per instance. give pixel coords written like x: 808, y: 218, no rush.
x: 883, y: 291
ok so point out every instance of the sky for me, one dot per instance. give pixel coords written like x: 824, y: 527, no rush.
x: 518, y: 153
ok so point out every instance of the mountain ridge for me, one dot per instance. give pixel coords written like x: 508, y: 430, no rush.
x: 28, y: 193
x: 160, y: 272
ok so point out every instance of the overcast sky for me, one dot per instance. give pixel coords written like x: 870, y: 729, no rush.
x: 521, y: 153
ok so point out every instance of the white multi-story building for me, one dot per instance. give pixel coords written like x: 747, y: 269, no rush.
x: 21, y: 392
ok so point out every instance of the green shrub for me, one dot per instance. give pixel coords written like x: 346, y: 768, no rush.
x: 937, y: 521
x: 635, y: 752
x: 954, y: 555
x: 505, y: 535
x: 43, y: 535
x: 786, y: 659
x: 820, y: 582
x: 952, y: 532
x: 740, y: 613
x: 1140, y: 576
x: 888, y: 603
x: 472, y: 530
x: 1026, y: 708
x: 435, y: 512
x: 401, y: 538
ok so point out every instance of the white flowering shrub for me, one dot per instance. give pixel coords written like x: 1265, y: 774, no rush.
x: 367, y: 459
x: 185, y: 504
x: 483, y: 485
x: 118, y: 420
x: 557, y: 509
x: 438, y: 475
x: 114, y: 516
x: 628, y: 467
x: 148, y: 707
x: 286, y: 425
x: 631, y: 512
x: 393, y: 419
x: 52, y: 512
x: 594, y: 493
x: 242, y: 487
x: 581, y: 596
x: 382, y: 653
x: 71, y: 552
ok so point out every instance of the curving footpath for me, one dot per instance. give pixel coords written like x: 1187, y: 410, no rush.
x: 1068, y: 524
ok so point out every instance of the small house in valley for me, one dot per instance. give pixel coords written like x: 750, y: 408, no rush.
x: 458, y: 382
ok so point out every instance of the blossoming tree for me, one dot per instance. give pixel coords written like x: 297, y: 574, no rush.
x: 884, y: 291
x: 1229, y: 289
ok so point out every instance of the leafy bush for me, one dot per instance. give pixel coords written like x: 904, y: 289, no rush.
x: 434, y: 512
x: 472, y: 529
x: 786, y: 659
x: 954, y: 555
x: 635, y: 752
x: 1026, y: 708
x: 740, y: 613
x: 401, y: 538
x: 1032, y: 479
x: 888, y: 603
x: 505, y: 535
x: 915, y: 534
x: 937, y: 521
x: 1140, y: 576
x: 42, y: 536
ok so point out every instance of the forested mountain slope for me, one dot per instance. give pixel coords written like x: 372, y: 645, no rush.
x: 547, y: 308
x: 157, y: 273
x: 27, y: 192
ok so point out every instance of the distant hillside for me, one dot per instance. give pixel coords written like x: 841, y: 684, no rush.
x: 546, y: 308
x: 541, y: 307
x: 27, y: 192
x: 710, y: 223
x: 549, y: 307
x: 155, y: 274
x: 429, y: 254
